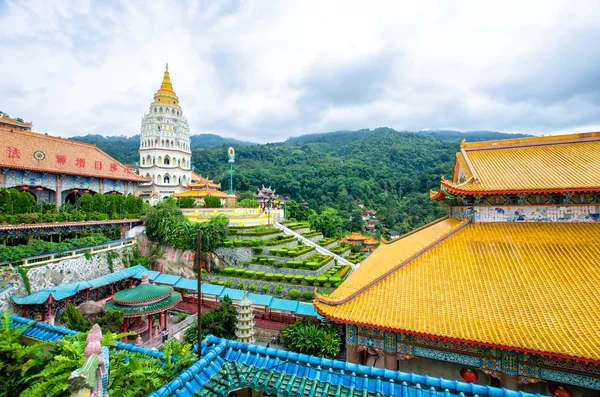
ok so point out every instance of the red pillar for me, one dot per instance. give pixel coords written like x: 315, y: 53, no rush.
x: 160, y: 324
x: 125, y: 328
x: 166, y: 319
x: 150, y: 329
x: 87, y: 295
x: 112, y: 288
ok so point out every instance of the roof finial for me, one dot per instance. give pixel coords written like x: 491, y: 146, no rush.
x: 167, y: 66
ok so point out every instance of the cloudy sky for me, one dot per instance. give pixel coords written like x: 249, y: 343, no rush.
x: 266, y: 70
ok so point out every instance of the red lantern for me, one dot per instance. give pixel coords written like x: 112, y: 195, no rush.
x: 38, y: 189
x: 560, y: 391
x: 24, y: 188
x: 469, y: 375
x: 75, y: 191
x: 86, y: 191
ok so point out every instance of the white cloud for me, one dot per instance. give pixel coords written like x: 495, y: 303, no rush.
x: 266, y: 70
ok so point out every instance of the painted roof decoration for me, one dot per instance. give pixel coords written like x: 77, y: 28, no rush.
x: 143, y: 299
x: 550, y: 164
x: 483, y: 284
x: 228, y: 365
x: 199, y: 181
x: 61, y: 156
x: 356, y: 237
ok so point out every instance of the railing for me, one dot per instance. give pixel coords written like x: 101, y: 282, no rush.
x: 40, y: 260
x: 317, y: 247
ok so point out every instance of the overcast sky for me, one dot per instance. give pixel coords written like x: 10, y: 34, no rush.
x: 267, y: 70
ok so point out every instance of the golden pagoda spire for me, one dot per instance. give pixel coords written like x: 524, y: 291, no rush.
x: 165, y: 93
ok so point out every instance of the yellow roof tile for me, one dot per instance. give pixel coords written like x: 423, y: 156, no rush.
x: 542, y: 164
x: 526, y: 286
x: 199, y: 193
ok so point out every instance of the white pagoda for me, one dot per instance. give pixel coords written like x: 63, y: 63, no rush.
x: 245, y: 321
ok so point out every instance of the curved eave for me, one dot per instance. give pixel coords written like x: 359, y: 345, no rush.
x: 459, y: 190
x: 132, y: 178
x: 458, y: 340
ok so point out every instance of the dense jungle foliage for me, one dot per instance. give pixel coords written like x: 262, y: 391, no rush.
x: 43, y: 368
x: 383, y: 169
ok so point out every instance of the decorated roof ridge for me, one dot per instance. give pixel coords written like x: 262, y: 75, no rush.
x: 48, y: 137
x: 384, y: 241
x: 218, y: 353
x: 531, y: 141
x: 369, y: 283
x: 356, y: 236
x: 201, y: 193
x: 37, y: 135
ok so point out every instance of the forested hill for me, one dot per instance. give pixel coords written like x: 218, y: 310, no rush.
x: 125, y: 149
x: 383, y: 169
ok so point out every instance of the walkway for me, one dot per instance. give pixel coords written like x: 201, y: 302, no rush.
x: 318, y: 248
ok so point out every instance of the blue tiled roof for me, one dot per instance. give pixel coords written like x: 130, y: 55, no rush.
x: 64, y: 291
x: 212, y: 289
x: 39, y: 330
x: 152, y: 274
x: 184, y: 283
x: 306, y: 309
x: 261, y: 300
x: 234, y: 294
x: 283, y: 304
x: 263, y: 363
x: 168, y: 279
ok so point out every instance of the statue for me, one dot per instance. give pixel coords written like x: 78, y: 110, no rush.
x: 92, y: 377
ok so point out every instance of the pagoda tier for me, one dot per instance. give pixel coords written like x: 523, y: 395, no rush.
x: 245, y: 321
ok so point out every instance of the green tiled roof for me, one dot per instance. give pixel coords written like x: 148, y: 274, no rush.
x: 143, y: 293
x: 136, y: 310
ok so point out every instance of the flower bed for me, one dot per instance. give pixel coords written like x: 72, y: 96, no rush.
x: 312, y: 233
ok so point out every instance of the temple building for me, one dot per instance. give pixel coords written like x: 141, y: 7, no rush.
x: 200, y: 188
x: 57, y: 169
x: 506, y: 290
x: 266, y: 198
x: 165, y: 149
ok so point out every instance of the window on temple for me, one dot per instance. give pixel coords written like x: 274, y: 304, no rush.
x: 167, y: 160
x: 167, y: 179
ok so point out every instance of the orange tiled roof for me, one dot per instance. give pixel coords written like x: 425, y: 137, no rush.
x: 59, y: 156
x: 200, y: 193
x: 200, y: 181
x: 525, y: 286
x: 356, y: 237
x: 550, y: 164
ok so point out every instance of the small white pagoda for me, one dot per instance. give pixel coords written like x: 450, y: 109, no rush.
x: 245, y: 321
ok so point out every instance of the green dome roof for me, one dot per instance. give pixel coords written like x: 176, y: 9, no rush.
x: 143, y: 293
x: 136, y: 310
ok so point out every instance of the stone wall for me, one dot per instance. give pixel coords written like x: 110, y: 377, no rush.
x: 233, y: 256
x: 69, y: 271
x: 316, y: 238
x: 293, y: 243
x: 245, y: 237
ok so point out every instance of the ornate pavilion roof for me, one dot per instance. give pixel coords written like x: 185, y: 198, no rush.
x: 550, y: 164
x: 33, y: 151
x: 531, y: 287
x: 144, y: 299
x: 201, y: 193
x: 228, y: 365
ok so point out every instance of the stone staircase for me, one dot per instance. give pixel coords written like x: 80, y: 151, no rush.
x: 317, y: 247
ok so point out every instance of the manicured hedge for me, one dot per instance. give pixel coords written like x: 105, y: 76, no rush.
x: 308, y: 295
x: 269, y: 276
x: 229, y: 271
x: 294, y: 294
x: 239, y: 272
x: 322, y: 280
x: 298, y: 278
x: 249, y: 273
x: 310, y: 279
x: 288, y: 277
x: 260, y: 275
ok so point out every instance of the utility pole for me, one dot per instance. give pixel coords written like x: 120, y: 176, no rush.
x: 199, y: 270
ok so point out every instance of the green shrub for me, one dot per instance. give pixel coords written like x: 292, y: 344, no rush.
x: 310, y: 279
x: 321, y: 280
x: 294, y: 294
x: 252, y: 287
x: 227, y: 243
x: 334, y: 279
x: 228, y: 283
x: 237, y: 243
x: 274, y: 251
x: 262, y: 259
x: 294, y: 264
x: 269, y: 276
x: 241, y: 285
x: 240, y: 272
x: 229, y: 271
x: 278, y: 290
x: 259, y: 275
x: 307, y: 295
x: 249, y: 273
x: 298, y: 278
x: 270, y: 261
x: 265, y: 289
x: 254, y: 259
x: 313, y: 265
x: 292, y: 253
x: 288, y: 277
x: 278, y: 277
